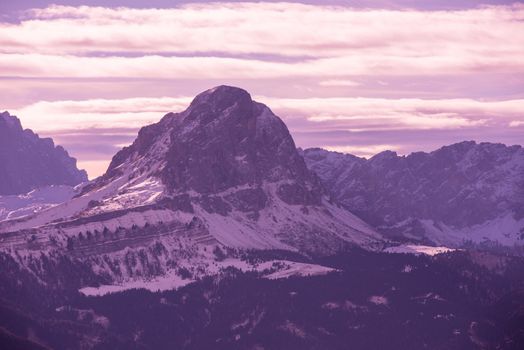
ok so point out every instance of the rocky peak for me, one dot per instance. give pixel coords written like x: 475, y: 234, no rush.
x: 9, y: 122
x: 223, y: 140
x: 384, y: 155
x: 28, y: 161
x: 215, y: 101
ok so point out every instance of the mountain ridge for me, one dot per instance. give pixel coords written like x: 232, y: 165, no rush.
x: 437, y: 195
x: 29, y: 162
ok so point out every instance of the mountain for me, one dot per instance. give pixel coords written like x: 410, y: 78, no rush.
x: 28, y: 161
x: 198, y: 187
x: 462, y: 193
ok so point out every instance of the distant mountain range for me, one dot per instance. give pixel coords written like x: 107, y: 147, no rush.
x: 28, y: 161
x: 458, y: 194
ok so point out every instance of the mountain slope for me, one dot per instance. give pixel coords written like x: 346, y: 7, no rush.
x: 224, y: 173
x: 28, y: 162
x: 463, y: 192
x: 15, y: 206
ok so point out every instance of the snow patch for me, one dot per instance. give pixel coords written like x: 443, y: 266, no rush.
x: 378, y: 300
x: 418, y: 249
x: 407, y: 269
x: 299, y: 269
x: 170, y: 281
x: 16, y: 206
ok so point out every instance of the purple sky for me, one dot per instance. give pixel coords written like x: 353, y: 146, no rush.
x: 353, y: 76
x: 20, y: 5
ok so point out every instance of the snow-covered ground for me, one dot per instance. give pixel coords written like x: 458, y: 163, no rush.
x: 169, y: 281
x: 284, y: 226
x: 121, y: 193
x: 16, y: 206
x: 417, y: 249
x: 505, y: 230
x: 274, y: 269
x: 299, y: 269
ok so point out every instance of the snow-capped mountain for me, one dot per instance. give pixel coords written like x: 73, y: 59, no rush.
x: 465, y: 192
x: 28, y: 162
x: 223, y: 173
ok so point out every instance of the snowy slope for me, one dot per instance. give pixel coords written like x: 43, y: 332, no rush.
x: 15, y: 206
x: 417, y: 249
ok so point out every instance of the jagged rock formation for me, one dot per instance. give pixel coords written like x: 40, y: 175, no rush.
x: 28, y: 162
x: 466, y: 191
x: 223, y: 141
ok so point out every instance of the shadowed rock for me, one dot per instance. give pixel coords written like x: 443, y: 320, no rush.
x: 460, y: 186
x: 28, y: 161
x: 224, y: 140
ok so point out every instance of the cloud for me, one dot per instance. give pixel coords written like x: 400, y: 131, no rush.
x: 338, y: 82
x: 200, y: 40
x: 94, y: 130
x: 362, y: 114
x: 330, y: 113
x: 45, y: 116
x: 279, y: 28
x: 516, y: 123
x: 43, y: 66
x: 366, y: 151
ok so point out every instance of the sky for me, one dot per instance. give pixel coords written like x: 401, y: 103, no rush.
x: 351, y: 76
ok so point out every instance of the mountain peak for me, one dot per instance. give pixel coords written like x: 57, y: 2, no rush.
x: 223, y: 140
x: 384, y: 156
x: 211, y: 104
x: 28, y: 161
x: 222, y: 96
x: 9, y: 121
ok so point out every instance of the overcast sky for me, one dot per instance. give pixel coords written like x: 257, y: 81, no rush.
x: 352, y: 76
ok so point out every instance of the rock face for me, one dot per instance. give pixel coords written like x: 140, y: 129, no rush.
x: 466, y: 191
x: 223, y: 174
x: 28, y: 162
x: 224, y: 140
